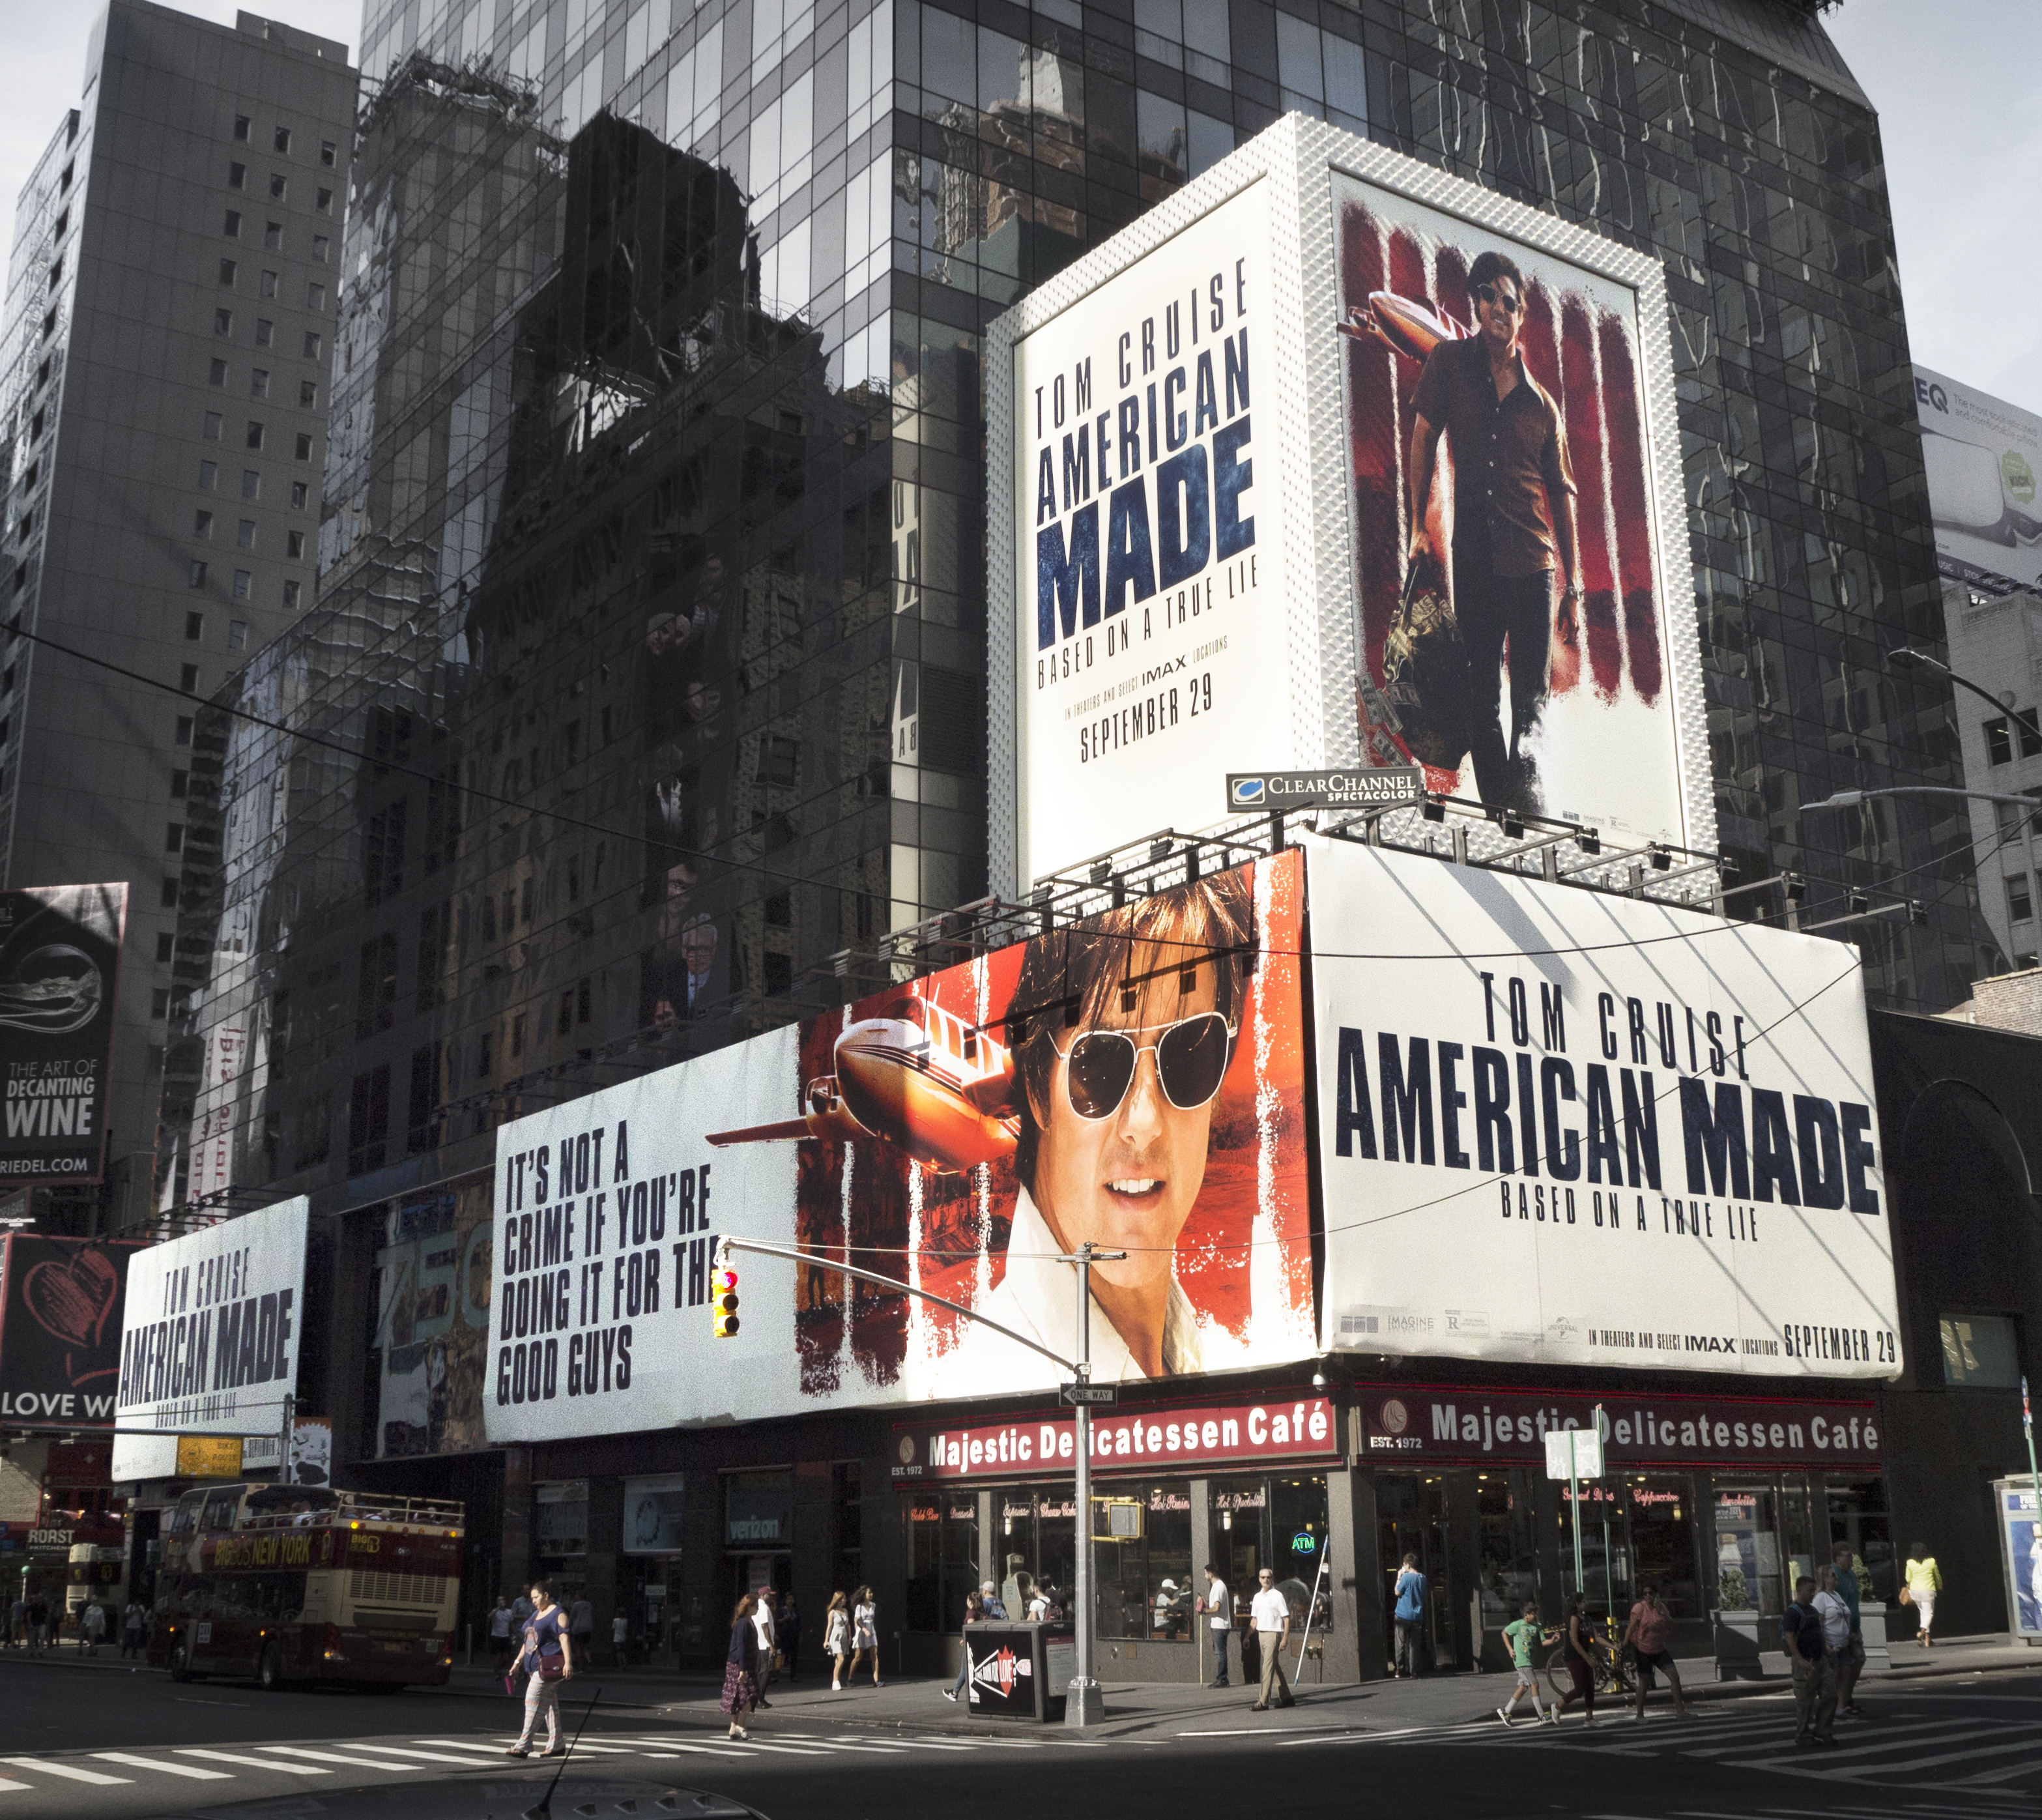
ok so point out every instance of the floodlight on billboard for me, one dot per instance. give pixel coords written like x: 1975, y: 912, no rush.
x: 1245, y: 509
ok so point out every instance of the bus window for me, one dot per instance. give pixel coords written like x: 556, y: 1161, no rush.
x: 219, y: 1508
x: 184, y: 1520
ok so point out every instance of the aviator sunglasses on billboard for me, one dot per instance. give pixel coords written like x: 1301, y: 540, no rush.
x: 1503, y: 299
x: 1192, y: 1055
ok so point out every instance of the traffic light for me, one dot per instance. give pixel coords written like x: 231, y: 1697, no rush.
x: 723, y: 1303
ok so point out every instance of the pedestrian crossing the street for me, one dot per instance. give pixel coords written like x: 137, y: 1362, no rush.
x: 352, y: 1759
x: 1960, y: 1751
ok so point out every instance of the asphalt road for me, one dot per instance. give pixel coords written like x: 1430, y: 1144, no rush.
x: 115, y: 1746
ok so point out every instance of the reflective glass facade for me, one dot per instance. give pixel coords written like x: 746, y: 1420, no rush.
x: 645, y: 686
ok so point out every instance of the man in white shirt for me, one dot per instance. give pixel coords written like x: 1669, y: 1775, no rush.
x: 1833, y: 1609
x: 619, y: 1634
x: 761, y: 1619
x: 1272, y: 1631
x: 1218, y: 1605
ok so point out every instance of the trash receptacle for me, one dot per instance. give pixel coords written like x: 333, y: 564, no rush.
x: 1020, y: 1671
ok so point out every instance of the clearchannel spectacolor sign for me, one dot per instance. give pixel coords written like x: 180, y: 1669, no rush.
x: 1249, y: 793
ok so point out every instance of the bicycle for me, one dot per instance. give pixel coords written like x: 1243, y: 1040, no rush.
x: 1613, y: 1674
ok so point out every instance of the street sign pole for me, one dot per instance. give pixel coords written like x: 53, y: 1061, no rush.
x: 1574, y: 1496
x: 1084, y: 1704
x: 2027, y: 1428
x: 1608, y: 1592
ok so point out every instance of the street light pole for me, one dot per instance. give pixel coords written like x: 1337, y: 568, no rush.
x: 2029, y: 806
x: 1909, y: 658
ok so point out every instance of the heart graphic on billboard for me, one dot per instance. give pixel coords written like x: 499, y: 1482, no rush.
x: 72, y: 1300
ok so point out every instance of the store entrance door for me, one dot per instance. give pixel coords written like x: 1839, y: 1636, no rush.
x: 1411, y: 1518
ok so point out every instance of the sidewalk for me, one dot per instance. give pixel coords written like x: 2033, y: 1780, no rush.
x: 1134, y: 1710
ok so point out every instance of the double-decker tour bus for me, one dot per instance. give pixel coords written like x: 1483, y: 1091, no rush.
x: 299, y: 1583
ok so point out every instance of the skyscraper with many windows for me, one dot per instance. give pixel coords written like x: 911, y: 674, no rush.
x: 168, y: 334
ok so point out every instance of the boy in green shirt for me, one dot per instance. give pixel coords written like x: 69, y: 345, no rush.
x: 1521, y: 1636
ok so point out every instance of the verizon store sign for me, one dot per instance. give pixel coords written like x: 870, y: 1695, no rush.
x: 1205, y: 1435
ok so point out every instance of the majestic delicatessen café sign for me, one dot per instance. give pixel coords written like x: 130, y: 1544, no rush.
x: 1229, y: 1434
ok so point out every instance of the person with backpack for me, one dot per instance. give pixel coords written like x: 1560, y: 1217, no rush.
x: 1580, y: 1659
x: 1411, y: 1590
x: 1801, y: 1630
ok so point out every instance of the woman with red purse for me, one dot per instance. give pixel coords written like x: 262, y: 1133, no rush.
x: 550, y: 1656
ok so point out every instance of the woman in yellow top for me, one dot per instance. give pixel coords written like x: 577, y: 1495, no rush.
x: 1924, y: 1580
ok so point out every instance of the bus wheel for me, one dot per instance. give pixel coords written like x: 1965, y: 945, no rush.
x: 180, y: 1663
x: 269, y: 1669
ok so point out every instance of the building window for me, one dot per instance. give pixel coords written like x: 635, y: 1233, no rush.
x: 294, y: 544
x: 321, y: 247
x: 290, y: 594
x: 1999, y: 741
x: 160, y: 1002
x: 202, y: 525
x: 312, y: 344
x: 269, y: 284
x: 174, y: 837
x: 237, y: 634
x: 265, y: 332
x: 181, y: 783
x: 254, y: 434
x: 316, y: 297
x: 329, y: 153
x: 324, y: 203
x: 194, y: 626
x: 197, y: 574
x: 227, y: 271
x: 188, y: 679
x: 218, y: 375
x: 2020, y: 905
x: 304, y: 446
x: 233, y: 228
x: 251, y: 483
x: 308, y: 394
x: 258, y: 383
x: 181, y: 735
x: 208, y: 474
x: 212, y: 425
x: 243, y: 581
x: 272, y: 237
x: 167, y: 946
x: 223, y: 322
x: 279, y: 186
x: 283, y: 141
x: 246, y: 539
x: 1981, y: 1352
x: 241, y: 128
x: 300, y: 493
x: 237, y: 177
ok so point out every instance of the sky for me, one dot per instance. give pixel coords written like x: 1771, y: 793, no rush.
x: 1962, y: 134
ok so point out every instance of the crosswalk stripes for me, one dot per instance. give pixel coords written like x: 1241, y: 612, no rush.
x: 422, y: 1756
x: 1896, y: 1755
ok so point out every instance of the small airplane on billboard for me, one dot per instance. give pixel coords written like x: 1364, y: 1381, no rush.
x: 1402, y: 325
x: 918, y: 1078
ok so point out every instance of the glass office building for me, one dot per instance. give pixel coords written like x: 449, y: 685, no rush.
x: 644, y: 690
